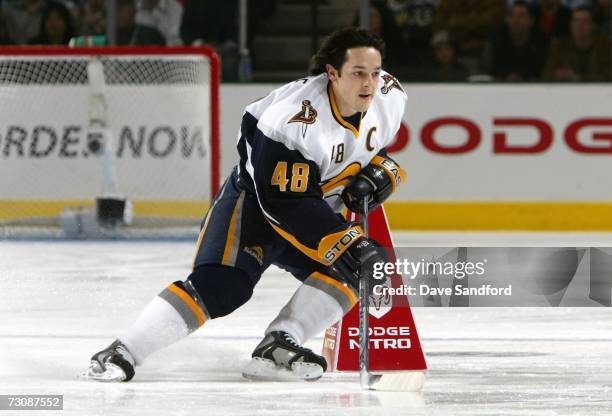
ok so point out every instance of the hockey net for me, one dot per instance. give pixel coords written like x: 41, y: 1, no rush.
x: 135, y: 123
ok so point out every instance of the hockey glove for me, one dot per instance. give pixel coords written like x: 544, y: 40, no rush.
x: 377, y: 181
x: 358, y: 261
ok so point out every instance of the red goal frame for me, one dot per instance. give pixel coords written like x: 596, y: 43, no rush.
x: 215, y: 80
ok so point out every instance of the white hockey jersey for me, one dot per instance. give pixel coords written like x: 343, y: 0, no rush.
x: 298, y: 153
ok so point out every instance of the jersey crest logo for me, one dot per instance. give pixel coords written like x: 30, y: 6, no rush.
x: 308, y: 115
x: 390, y: 83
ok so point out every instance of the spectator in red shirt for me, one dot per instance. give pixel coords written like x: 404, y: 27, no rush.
x: 553, y: 18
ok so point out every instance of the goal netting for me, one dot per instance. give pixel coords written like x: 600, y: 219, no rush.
x: 133, y: 124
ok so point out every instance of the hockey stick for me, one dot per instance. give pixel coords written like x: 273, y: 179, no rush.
x: 408, y: 381
x: 366, y: 379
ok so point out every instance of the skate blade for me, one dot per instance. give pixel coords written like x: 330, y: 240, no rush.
x: 112, y: 373
x: 263, y: 369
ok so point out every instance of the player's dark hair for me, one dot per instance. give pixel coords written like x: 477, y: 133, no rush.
x: 333, y: 49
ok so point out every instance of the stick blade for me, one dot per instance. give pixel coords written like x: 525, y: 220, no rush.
x: 400, y: 381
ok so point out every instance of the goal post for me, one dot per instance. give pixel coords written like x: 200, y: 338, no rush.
x: 136, y: 122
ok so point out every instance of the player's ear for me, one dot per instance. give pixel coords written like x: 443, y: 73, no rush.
x: 331, y: 72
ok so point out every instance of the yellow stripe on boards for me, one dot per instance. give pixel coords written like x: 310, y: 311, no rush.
x: 403, y: 215
x: 22, y: 209
x: 500, y: 216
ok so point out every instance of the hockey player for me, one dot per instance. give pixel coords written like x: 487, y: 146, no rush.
x: 306, y: 150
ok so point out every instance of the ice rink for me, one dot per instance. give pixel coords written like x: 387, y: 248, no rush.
x: 62, y: 301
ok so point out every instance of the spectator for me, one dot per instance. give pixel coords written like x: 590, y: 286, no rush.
x: 412, y: 19
x: 94, y: 18
x: 583, y: 56
x: 22, y: 19
x: 553, y: 18
x: 56, y: 26
x: 163, y: 15
x: 470, y: 24
x: 445, y: 67
x: 518, y: 51
x: 125, y: 25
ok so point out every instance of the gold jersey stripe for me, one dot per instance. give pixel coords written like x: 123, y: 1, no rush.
x: 333, y: 282
x: 229, y: 258
x: 343, y: 178
x: 193, y: 306
x: 337, y: 115
x: 313, y: 254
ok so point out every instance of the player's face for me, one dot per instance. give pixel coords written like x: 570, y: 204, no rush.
x: 355, y: 84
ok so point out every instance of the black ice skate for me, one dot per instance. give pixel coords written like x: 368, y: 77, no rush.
x: 115, y: 363
x: 279, y: 358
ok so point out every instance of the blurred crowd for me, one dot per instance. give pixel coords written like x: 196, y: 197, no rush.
x: 137, y: 22
x: 500, y: 40
x: 427, y: 40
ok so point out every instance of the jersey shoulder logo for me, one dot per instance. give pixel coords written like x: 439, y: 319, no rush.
x: 308, y: 115
x: 390, y: 83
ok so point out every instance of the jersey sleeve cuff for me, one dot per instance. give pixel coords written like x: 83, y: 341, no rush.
x: 333, y: 245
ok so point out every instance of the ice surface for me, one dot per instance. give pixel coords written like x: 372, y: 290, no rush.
x: 62, y: 301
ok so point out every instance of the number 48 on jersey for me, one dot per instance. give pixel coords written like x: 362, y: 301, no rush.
x: 298, y: 178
